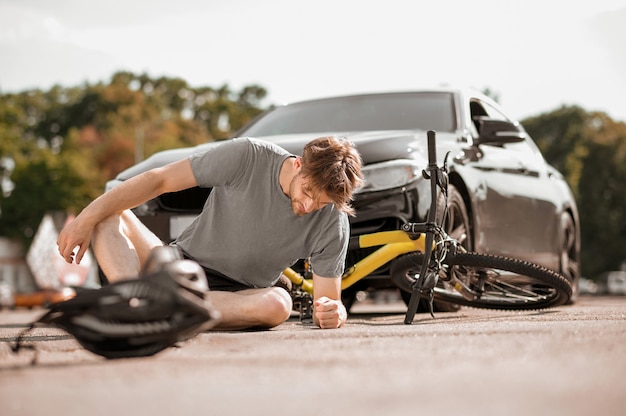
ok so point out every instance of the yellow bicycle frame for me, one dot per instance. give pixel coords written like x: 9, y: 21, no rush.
x: 393, y: 244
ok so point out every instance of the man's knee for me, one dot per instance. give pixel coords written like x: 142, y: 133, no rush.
x: 114, y: 251
x: 108, y: 225
x: 279, y: 306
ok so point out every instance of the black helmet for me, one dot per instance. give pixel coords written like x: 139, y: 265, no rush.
x: 138, y: 317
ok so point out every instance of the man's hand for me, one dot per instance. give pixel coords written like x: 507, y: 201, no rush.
x: 71, y: 236
x: 329, y: 314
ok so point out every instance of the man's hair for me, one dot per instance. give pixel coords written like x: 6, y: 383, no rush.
x: 333, y: 165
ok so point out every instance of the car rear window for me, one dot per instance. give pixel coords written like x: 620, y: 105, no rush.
x: 400, y: 111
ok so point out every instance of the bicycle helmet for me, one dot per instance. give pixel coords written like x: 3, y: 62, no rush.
x: 138, y: 317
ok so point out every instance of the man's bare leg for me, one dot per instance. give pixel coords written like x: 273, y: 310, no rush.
x: 121, y: 244
x: 251, y: 308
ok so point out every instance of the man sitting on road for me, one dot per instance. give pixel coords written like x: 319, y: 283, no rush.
x: 267, y: 209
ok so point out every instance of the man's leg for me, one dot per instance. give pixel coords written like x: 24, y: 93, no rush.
x: 121, y: 244
x: 251, y: 308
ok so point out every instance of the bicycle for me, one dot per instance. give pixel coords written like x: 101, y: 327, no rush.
x: 452, y: 274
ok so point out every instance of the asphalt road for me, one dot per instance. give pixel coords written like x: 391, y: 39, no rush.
x: 565, y: 361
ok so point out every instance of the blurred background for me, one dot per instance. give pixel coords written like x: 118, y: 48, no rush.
x: 88, y: 89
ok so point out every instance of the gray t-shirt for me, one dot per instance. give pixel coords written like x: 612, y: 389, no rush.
x: 247, y: 229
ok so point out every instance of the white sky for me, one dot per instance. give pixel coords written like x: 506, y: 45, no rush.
x: 536, y: 54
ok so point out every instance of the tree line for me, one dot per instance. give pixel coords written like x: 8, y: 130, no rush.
x: 59, y: 147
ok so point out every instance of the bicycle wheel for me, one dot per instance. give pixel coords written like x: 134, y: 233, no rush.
x: 499, y: 282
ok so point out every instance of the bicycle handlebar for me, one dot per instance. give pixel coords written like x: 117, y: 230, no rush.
x: 432, y: 150
x: 415, y: 229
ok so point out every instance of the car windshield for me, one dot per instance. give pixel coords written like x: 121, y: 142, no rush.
x: 397, y: 111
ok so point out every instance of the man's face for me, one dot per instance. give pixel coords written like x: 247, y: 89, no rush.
x: 304, y: 199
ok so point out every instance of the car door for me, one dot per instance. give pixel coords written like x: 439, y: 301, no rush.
x: 515, y: 203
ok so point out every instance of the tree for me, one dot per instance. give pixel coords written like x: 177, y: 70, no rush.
x: 44, y: 181
x: 495, y: 96
x: 66, y: 142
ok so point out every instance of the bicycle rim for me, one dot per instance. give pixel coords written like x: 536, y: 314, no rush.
x: 500, y: 282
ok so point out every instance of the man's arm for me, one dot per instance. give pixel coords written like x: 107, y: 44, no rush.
x: 129, y: 194
x: 329, y: 310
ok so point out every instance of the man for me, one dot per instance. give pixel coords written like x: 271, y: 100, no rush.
x: 267, y: 209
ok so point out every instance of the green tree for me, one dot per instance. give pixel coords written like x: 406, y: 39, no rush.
x: 66, y: 142
x: 44, y: 181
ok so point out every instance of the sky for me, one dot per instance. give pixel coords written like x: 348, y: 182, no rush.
x: 535, y: 55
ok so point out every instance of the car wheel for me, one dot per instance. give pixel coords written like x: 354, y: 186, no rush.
x: 569, y: 253
x: 457, y: 225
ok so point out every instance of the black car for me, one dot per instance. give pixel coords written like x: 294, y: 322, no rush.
x: 504, y: 197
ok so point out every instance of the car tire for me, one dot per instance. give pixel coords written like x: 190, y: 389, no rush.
x: 457, y: 224
x: 569, y: 255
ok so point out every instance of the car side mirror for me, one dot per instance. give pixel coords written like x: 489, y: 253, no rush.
x: 497, y: 132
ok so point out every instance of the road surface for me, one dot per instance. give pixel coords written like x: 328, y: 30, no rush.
x: 569, y: 360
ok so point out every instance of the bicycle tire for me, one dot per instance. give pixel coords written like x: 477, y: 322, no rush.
x: 509, y: 284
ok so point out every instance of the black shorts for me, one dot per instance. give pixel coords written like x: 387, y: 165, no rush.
x: 218, y: 281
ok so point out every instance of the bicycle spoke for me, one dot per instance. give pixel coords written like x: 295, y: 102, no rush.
x: 497, y: 282
x: 497, y: 287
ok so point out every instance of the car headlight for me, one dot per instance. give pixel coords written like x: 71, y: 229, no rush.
x: 388, y: 175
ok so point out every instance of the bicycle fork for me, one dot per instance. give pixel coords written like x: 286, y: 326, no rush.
x: 424, y: 285
x: 428, y: 280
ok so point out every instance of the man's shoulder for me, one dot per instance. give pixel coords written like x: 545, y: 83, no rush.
x: 261, y: 145
x: 334, y: 218
x: 247, y: 148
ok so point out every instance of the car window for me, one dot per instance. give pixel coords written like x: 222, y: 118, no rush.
x: 482, y: 109
x: 527, y: 149
x: 402, y: 111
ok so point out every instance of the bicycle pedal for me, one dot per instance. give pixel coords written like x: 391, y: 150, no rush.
x: 431, y: 299
x: 303, y: 303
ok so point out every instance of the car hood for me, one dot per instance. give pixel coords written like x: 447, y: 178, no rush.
x: 374, y: 147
